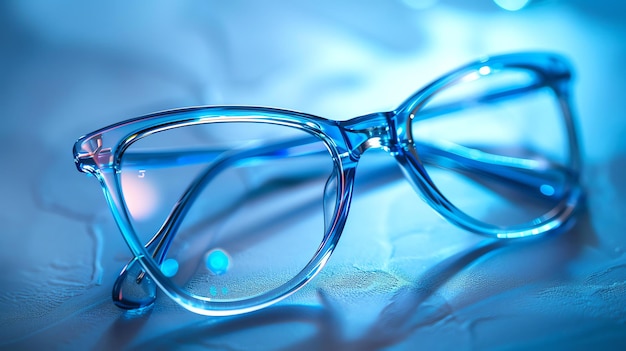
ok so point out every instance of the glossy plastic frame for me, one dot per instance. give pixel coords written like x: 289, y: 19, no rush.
x: 99, y: 153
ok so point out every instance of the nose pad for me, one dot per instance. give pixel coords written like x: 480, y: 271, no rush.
x: 134, y: 289
x: 330, y: 199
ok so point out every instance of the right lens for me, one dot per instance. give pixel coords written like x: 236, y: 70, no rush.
x: 231, y: 210
x: 495, y: 144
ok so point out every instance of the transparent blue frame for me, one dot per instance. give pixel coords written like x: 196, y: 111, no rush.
x: 99, y: 153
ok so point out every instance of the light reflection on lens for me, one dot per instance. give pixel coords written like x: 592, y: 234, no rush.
x: 217, y: 262
x: 140, y: 195
x: 169, y: 267
x: 547, y: 190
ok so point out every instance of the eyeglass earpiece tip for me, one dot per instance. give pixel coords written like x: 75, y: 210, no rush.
x: 134, y: 289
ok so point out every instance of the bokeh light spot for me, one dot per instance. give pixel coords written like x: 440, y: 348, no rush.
x: 512, y: 5
x: 547, y: 190
x: 217, y: 261
x: 169, y: 267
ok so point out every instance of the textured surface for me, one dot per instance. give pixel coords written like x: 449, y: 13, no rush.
x: 401, y: 276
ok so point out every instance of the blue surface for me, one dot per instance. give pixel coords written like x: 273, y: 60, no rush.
x: 401, y: 276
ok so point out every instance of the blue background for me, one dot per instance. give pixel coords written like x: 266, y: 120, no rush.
x: 401, y: 278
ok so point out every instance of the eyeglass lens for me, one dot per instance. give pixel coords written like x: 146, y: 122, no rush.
x: 495, y: 145
x: 231, y: 210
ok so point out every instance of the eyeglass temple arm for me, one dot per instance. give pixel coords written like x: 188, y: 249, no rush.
x: 485, y: 98
x: 525, y: 173
x: 514, y: 170
x: 554, y: 80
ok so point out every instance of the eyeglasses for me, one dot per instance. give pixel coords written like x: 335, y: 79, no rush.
x: 230, y: 209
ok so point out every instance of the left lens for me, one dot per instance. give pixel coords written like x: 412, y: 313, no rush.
x: 232, y: 210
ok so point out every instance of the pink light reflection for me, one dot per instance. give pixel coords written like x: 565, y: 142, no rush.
x: 140, y: 195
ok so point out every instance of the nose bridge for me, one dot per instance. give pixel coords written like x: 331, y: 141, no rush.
x: 375, y: 130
